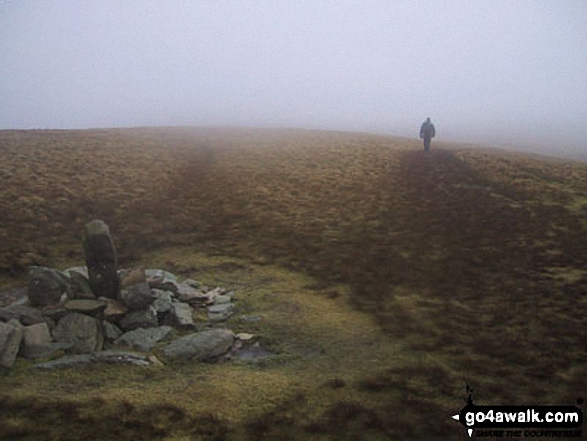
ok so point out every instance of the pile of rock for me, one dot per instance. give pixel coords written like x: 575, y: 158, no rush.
x: 152, y: 308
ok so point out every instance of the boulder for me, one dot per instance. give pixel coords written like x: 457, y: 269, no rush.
x: 83, y: 332
x: 47, y: 286
x: 10, y: 338
x: 200, y: 346
x: 86, y: 306
x: 36, y: 335
x: 180, y: 316
x: 101, y: 259
x: 142, y: 339
x: 163, y: 301
x: 25, y: 315
x: 146, y: 318
x: 137, y: 297
x: 111, y: 331
x: 218, y: 313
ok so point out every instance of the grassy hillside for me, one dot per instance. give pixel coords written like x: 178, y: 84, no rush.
x: 387, y: 278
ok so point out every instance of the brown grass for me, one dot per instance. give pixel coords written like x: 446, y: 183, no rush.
x: 472, y: 261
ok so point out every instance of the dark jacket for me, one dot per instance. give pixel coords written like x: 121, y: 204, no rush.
x: 427, y: 130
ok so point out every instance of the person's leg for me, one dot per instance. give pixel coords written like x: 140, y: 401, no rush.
x: 426, y: 144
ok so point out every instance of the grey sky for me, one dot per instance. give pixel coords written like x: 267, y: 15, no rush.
x: 485, y: 71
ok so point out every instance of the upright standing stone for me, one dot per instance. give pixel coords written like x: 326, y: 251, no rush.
x: 101, y: 259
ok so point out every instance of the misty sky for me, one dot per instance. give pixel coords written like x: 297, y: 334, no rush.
x: 485, y: 71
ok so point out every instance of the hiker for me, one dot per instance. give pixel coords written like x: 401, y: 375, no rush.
x: 427, y: 132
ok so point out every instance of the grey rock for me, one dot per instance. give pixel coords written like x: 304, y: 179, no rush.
x: 180, y: 316
x: 101, y: 259
x: 128, y: 277
x: 22, y: 301
x: 64, y: 362
x: 111, y: 331
x: 47, y: 286
x: 218, y: 313
x: 187, y: 294
x: 110, y: 357
x: 10, y: 338
x: 222, y: 299
x: 164, y: 285
x: 137, y: 297
x: 15, y: 323
x: 163, y: 301
x: 81, y: 270
x: 114, y: 310
x: 144, y: 339
x: 193, y: 283
x: 81, y: 285
x: 83, y: 332
x: 160, y: 274
x: 147, y: 318
x: 55, y: 314
x: 47, y: 350
x: 119, y: 357
x: 86, y: 306
x: 217, y: 291
x: 200, y: 346
x: 36, y: 335
x: 26, y: 315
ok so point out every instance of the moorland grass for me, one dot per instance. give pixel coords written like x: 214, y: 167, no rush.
x: 387, y: 279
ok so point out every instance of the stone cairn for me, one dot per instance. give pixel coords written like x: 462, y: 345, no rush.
x: 98, y: 313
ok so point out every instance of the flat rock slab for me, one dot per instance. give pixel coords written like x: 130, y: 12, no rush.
x: 144, y: 340
x: 114, y: 309
x: 47, y: 350
x: 200, y: 346
x: 86, y: 306
x: 98, y: 357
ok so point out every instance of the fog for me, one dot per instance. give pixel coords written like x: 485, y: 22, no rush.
x: 492, y: 72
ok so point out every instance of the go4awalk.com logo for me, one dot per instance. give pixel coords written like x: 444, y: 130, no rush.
x: 520, y: 421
